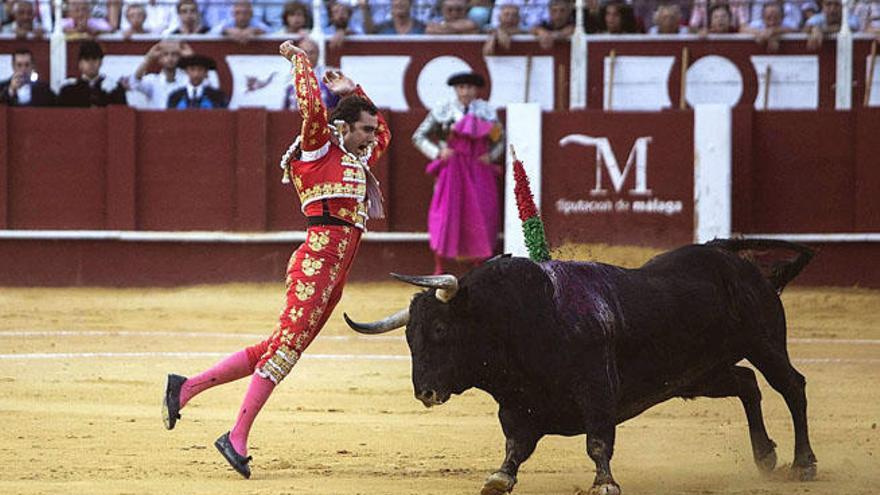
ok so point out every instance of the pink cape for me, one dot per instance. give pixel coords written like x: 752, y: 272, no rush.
x: 464, y: 215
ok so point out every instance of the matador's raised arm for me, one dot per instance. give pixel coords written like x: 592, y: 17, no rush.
x: 315, y: 133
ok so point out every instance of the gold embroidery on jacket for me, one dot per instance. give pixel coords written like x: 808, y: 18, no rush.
x: 333, y: 189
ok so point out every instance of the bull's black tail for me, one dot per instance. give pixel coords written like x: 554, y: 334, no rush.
x: 779, y: 261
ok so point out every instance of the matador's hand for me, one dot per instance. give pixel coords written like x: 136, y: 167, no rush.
x: 338, y: 83
x: 288, y: 49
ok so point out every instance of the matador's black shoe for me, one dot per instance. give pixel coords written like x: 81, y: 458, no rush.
x: 171, y: 405
x: 236, y: 460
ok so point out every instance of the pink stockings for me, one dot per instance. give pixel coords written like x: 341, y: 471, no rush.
x: 257, y: 394
x: 234, y: 367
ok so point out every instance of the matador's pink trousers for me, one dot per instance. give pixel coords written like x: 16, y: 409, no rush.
x: 316, y: 274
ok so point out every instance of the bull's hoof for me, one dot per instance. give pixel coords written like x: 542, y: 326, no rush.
x: 604, y: 489
x: 767, y: 462
x: 803, y: 473
x: 498, y: 483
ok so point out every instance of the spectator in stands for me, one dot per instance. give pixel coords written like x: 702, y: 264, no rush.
x: 700, y: 22
x: 455, y: 19
x: 720, y: 21
x: 827, y: 22
x: 868, y: 14
x: 531, y: 12
x: 23, y: 25
x: 80, y: 23
x: 44, y: 13
x: 270, y: 13
x: 769, y: 28
x: 91, y: 89
x: 158, y: 86
x: 159, y: 15
x: 592, y: 13
x: 809, y: 9
x: 329, y: 98
x: 24, y: 89
x: 197, y: 94
x: 617, y: 17
x: 667, y: 20
x: 558, y: 26
x: 296, y: 18
x: 791, y: 12
x: 402, y: 21
x: 215, y: 12
x: 480, y: 11
x: 189, y: 20
x: 243, y: 27
x: 339, y: 24
x: 5, y: 13
x: 363, y: 23
x: 509, y: 25
x: 136, y: 16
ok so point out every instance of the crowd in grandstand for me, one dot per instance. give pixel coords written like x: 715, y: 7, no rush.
x: 547, y: 19
x: 244, y: 20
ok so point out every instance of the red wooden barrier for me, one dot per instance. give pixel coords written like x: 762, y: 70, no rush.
x: 118, y: 169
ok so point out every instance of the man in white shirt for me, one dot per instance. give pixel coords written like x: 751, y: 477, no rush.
x: 243, y: 26
x: 41, y: 12
x: 160, y: 14
x: 25, y: 24
x: 531, y: 12
x: 769, y: 28
x: 157, y: 86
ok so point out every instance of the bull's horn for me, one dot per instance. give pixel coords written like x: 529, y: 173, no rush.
x: 388, y: 324
x: 446, y: 285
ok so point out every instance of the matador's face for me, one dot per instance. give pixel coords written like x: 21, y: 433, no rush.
x: 359, y: 136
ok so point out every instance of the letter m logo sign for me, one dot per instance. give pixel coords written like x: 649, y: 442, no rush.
x: 605, y: 159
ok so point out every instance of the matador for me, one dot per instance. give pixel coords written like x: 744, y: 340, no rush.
x: 329, y: 164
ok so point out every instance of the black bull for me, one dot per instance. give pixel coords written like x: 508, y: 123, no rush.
x: 569, y: 348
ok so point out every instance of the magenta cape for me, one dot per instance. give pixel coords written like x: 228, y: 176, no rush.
x: 463, y: 218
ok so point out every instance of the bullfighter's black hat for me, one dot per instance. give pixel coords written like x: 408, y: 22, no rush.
x: 200, y: 60
x: 90, y: 50
x: 466, y: 78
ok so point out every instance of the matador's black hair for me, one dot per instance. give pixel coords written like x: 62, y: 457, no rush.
x: 350, y: 108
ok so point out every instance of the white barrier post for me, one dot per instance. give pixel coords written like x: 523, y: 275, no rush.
x: 713, y: 165
x: 57, y: 52
x: 843, y: 96
x: 524, y: 133
x: 577, y: 87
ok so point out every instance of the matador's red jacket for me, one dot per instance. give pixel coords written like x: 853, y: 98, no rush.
x: 329, y: 180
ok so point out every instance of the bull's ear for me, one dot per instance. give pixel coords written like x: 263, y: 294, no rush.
x: 462, y: 301
x: 499, y: 257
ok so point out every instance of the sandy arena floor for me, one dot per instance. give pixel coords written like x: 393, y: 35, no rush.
x: 83, y: 372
